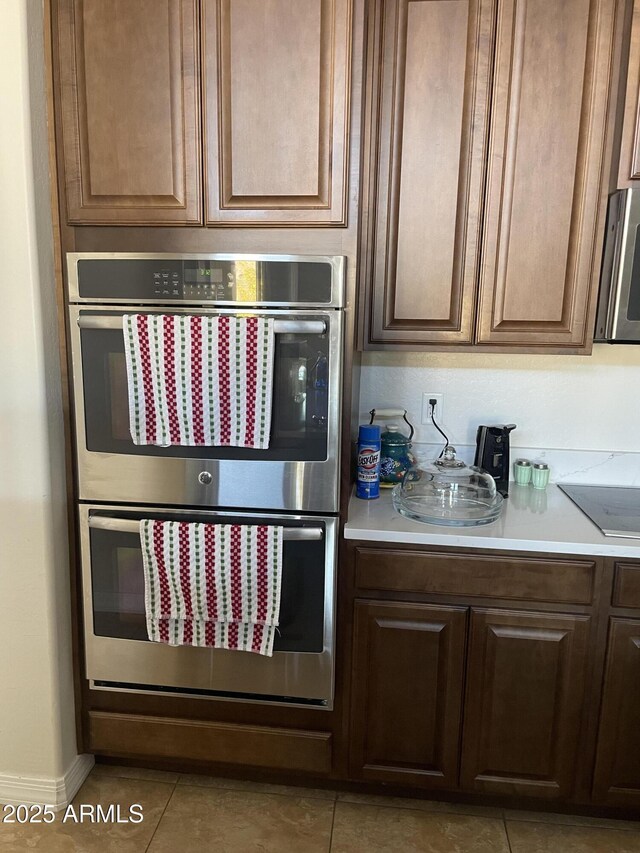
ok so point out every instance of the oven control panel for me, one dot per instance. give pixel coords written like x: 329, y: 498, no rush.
x: 172, y: 280
x: 205, y: 281
x: 167, y: 284
x: 200, y: 282
x: 199, y: 279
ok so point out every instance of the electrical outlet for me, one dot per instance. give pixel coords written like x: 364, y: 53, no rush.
x: 426, y: 407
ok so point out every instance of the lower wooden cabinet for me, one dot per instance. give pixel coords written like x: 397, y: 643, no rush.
x: 525, y: 693
x: 407, y: 693
x: 617, y: 771
x: 488, y: 700
x: 453, y: 686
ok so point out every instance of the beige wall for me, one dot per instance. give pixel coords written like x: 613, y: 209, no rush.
x: 567, y: 402
x: 37, y: 735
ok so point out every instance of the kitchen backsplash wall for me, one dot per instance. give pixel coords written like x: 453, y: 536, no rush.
x: 573, y: 402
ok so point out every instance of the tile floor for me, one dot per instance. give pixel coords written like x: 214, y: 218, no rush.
x: 197, y: 814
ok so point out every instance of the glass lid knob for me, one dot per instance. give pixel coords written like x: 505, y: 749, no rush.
x: 448, y: 458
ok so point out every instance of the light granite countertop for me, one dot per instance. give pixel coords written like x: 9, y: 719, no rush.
x: 532, y: 520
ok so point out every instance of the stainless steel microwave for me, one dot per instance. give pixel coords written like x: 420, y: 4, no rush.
x: 618, y: 317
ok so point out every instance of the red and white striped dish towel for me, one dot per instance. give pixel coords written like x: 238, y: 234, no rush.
x: 199, y: 380
x: 214, y: 585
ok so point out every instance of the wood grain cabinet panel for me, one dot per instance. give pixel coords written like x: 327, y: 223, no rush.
x: 626, y: 585
x: 545, y: 194
x: 427, y: 119
x: 525, y: 691
x: 276, y: 94
x: 130, y: 108
x: 136, y: 736
x: 629, y: 169
x: 407, y: 693
x: 617, y: 770
x: 528, y: 578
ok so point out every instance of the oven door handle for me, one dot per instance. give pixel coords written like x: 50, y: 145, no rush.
x: 130, y: 525
x: 280, y: 327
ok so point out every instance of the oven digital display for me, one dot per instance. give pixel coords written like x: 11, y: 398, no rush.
x: 203, y: 274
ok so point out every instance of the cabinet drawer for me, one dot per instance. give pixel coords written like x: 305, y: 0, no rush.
x: 228, y: 743
x: 626, y: 586
x: 564, y: 581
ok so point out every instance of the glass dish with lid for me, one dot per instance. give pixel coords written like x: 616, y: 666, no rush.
x: 448, y: 491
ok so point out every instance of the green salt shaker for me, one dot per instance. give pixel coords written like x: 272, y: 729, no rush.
x: 540, y: 475
x: 522, y: 472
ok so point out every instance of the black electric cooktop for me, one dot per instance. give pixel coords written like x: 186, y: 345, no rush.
x: 614, y: 509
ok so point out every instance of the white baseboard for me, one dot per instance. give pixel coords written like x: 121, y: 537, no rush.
x: 57, y: 793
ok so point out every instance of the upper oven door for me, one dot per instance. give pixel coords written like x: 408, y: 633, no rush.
x: 119, y: 654
x: 299, y: 470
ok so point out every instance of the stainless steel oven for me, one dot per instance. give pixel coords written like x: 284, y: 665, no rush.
x: 299, y: 470
x: 618, y: 318
x: 119, y: 656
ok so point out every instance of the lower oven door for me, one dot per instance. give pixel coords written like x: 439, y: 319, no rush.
x: 119, y: 655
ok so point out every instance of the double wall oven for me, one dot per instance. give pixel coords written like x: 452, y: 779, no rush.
x: 294, y: 483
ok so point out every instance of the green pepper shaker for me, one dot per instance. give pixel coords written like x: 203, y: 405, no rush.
x: 522, y: 471
x: 540, y: 475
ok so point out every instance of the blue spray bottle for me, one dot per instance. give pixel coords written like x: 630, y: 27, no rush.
x: 368, y: 473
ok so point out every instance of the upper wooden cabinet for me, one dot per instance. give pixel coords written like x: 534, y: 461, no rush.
x: 427, y: 114
x: 130, y: 110
x: 546, y: 194
x: 487, y: 232
x: 276, y: 96
x: 629, y: 169
x: 275, y: 87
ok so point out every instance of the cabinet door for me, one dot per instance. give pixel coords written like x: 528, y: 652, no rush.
x: 546, y: 195
x: 276, y: 95
x: 629, y: 171
x: 130, y: 108
x: 428, y: 111
x: 617, y: 773
x: 407, y: 691
x: 525, y: 690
